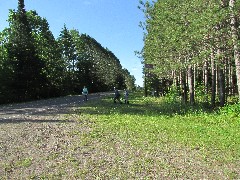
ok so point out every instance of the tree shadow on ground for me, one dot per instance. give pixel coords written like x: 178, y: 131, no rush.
x: 47, y: 110
x: 17, y: 121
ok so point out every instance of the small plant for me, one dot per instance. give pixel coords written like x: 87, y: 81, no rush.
x: 232, y: 110
x: 173, y: 95
x: 24, y: 162
x: 200, y: 93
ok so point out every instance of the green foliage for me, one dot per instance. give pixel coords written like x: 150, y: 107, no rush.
x: 200, y: 94
x: 173, y: 95
x: 232, y: 110
x: 68, y: 53
x: 24, y: 162
x: 33, y: 64
x: 49, y: 51
x: 183, y: 33
x: 129, y: 80
x: 27, y: 78
x: 99, y: 68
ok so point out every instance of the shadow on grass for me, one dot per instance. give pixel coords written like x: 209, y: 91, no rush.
x: 139, y: 106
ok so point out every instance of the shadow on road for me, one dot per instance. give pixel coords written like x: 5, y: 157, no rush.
x: 43, y: 110
x: 2, y: 121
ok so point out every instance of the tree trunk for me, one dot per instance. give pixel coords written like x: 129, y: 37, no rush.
x: 205, y: 78
x: 221, y: 83
x: 191, y: 84
x: 195, y: 75
x: 234, y: 32
x: 213, y: 96
x: 174, y: 78
x: 183, y: 87
x: 226, y: 72
x: 231, y: 84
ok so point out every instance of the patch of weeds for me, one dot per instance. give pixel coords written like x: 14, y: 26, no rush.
x: 53, y: 156
x: 80, y: 174
x: 33, y: 176
x: 8, y: 167
x: 73, y: 161
x: 27, y: 162
x: 232, y: 110
x: 74, y: 133
x: 232, y: 174
x: 58, y: 175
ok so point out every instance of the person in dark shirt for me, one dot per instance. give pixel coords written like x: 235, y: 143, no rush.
x: 126, y: 96
x: 116, y: 95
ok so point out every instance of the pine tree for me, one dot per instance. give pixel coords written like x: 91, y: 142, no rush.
x: 49, y: 52
x: 68, y: 52
x: 27, y: 67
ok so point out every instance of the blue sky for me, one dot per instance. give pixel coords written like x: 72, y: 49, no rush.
x: 113, y: 23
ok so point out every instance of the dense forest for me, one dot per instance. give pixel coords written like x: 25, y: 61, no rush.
x: 191, y: 49
x: 34, y: 64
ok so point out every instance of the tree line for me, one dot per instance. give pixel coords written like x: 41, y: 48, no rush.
x: 193, y: 47
x: 34, y: 64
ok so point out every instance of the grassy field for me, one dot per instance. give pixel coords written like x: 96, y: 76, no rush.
x: 150, y: 139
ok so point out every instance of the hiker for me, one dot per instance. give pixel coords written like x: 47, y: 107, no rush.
x: 116, y: 95
x: 85, y: 93
x: 126, y: 96
x: 154, y: 93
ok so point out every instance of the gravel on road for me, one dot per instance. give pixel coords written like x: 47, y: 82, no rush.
x: 37, y: 136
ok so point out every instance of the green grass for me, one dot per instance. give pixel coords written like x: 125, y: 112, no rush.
x: 142, y: 136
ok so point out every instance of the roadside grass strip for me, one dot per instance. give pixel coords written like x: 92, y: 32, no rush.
x: 151, y: 138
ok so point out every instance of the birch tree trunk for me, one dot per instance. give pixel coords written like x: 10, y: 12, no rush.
x: 230, y: 79
x: 226, y: 72
x: 191, y: 84
x: 205, y: 78
x: 175, y: 78
x: 234, y: 32
x: 213, y: 96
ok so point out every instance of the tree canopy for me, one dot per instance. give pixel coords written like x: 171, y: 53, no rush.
x: 190, y: 35
x: 34, y: 64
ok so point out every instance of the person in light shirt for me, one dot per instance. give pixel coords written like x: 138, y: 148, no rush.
x: 85, y: 93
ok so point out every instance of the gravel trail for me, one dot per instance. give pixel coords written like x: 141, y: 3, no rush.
x: 43, y: 109
x: 39, y: 138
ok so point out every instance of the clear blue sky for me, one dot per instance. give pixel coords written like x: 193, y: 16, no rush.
x: 113, y: 23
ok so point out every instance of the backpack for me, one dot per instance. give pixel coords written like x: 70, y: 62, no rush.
x: 85, y: 91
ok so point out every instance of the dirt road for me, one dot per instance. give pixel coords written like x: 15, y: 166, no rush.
x: 42, y: 109
x: 39, y: 138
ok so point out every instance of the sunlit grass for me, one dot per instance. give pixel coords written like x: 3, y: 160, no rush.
x: 149, y: 127
x: 151, y: 117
